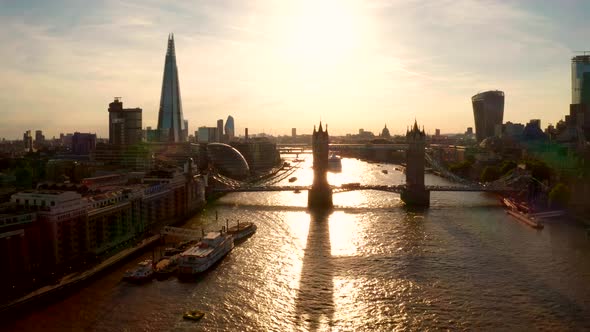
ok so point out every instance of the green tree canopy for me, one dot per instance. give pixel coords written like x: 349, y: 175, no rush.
x: 490, y: 173
x: 559, y: 196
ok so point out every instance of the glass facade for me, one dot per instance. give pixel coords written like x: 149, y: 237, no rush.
x: 488, y: 112
x: 230, y: 129
x: 228, y: 161
x: 581, y: 79
x: 170, y: 121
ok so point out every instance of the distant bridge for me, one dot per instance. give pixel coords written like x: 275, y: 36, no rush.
x: 344, y: 188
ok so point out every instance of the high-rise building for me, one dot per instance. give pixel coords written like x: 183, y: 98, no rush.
x: 185, y: 131
x: 83, y: 143
x: 206, y: 134
x: 219, y: 131
x: 124, y: 124
x: 230, y: 129
x: 293, y: 132
x: 171, y: 125
x: 39, y: 137
x: 28, y: 141
x: 581, y: 79
x: 488, y: 111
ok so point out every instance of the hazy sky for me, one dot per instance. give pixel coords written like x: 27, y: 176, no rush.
x: 278, y: 64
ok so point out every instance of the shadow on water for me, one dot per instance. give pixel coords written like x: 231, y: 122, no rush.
x: 314, y: 304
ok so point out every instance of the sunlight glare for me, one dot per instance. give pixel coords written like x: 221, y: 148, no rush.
x: 323, y: 32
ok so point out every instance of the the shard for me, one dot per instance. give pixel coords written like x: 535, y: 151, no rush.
x: 171, y: 125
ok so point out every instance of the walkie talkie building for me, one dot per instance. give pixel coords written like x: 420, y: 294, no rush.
x: 488, y: 111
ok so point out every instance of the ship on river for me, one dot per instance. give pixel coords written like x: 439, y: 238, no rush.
x: 199, y: 258
x: 242, y: 230
x: 335, y: 163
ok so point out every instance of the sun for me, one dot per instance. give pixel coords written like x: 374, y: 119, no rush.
x: 323, y: 32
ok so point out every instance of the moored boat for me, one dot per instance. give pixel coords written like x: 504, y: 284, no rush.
x: 199, y: 258
x: 242, y: 230
x: 166, y: 267
x: 143, y: 272
x: 293, y: 179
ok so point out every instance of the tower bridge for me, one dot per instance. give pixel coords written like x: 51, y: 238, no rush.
x: 414, y: 192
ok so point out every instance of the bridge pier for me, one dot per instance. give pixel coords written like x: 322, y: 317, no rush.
x: 319, y: 197
x: 420, y: 198
x: 415, y: 193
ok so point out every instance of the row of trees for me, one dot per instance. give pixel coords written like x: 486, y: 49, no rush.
x: 558, y: 195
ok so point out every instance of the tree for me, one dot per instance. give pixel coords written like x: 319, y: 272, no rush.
x: 539, y: 170
x: 559, y: 196
x: 489, y: 174
x: 24, y: 177
x: 461, y: 168
x: 507, y: 166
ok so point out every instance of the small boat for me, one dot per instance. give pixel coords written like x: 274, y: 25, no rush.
x: 166, y: 267
x: 143, y: 272
x: 297, y: 191
x: 384, y: 171
x: 335, y: 163
x: 293, y: 179
x: 242, y: 230
x: 194, y: 315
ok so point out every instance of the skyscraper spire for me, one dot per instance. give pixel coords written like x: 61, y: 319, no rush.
x: 171, y: 125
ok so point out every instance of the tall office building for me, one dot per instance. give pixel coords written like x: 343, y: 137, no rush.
x: 488, y: 111
x: 230, y: 129
x: 28, y: 141
x: 124, y: 124
x: 220, y: 137
x: 581, y: 79
x: 171, y: 125
x: 83, y: 143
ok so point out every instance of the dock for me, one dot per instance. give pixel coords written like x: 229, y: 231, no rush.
x: 525, y: 219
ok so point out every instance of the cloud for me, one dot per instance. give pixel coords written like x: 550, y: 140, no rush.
x: 407, y: 59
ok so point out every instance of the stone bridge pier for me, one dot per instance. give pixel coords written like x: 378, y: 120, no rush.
x: 415, y: 193
x: 319, y: 197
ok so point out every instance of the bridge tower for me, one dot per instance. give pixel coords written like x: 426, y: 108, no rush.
x: 320, y: 194
x: 415, y: 193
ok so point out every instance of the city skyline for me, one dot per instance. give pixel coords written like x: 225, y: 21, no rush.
x: 261, y: 62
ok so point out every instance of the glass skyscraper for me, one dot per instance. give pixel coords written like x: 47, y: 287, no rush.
x: 488, y: 111
x: 581, y: 79
x: 230, y: 129
x: 171, y: 124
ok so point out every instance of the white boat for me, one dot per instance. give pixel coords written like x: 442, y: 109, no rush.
x: 334, y: 163
x: 242, y: 230
x: 196, y: 259
x: 144, y: 271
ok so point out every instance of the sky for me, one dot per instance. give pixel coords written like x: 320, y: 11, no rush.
x: 278, y: 64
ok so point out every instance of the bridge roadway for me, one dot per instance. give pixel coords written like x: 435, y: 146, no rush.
x: 394, y: 188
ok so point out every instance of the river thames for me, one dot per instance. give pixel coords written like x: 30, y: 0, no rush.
x: 371, y: 264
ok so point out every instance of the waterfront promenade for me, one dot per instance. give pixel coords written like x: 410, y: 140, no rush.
x: 77, y: 277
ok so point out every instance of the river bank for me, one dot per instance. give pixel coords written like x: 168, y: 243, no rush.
x: 73, y: 279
